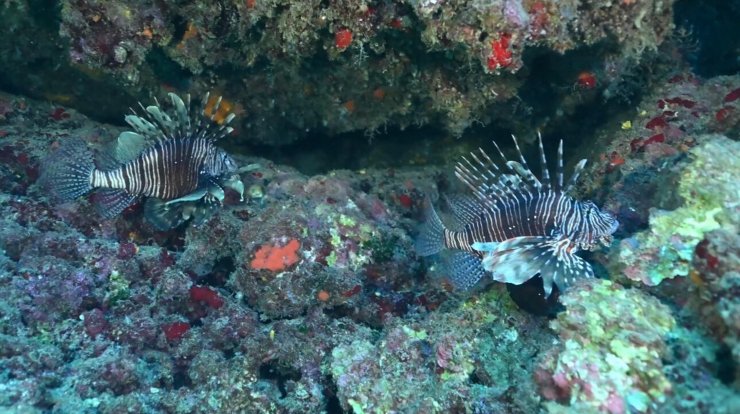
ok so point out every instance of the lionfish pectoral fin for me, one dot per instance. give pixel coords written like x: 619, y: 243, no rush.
x: 235, y: 183
x: 485, y: 247
x: 110, y: 202
x: 201, y: 212
x: 521, y: 258
x: 216, y: 194
x: 563, y: 269
x: 465, y: 270
x: 164, y: 216
x: 194, y: 196
x: 249, y: 167
x: 514, y: 260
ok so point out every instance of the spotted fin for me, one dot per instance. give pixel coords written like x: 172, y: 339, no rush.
x: 68, y: 171
x: 563, y: 270
x: 519, y: 259
x: 431, y: 237
x: 465, y: 270
x: 163, y: 216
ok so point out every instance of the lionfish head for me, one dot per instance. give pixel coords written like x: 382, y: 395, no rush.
x: 594, y: 227
x: 220, y: 163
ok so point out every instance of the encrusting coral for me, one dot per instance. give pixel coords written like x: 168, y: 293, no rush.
x: 710, y: 193
x: 609, y: 355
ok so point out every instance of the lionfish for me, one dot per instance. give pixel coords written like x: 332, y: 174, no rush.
x: 170, y: 159
x: 516, y: 225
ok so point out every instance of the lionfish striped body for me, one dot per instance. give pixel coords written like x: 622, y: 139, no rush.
x: 171, y: 160
x: 517, y: 226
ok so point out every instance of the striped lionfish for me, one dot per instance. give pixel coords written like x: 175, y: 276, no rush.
x: 171, y: 159
x: 517, y: 226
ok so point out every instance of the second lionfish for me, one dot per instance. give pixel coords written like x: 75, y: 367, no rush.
x: 170, y: 159
x: 517, y: 225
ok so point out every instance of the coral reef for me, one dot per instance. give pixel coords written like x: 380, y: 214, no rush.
x: 308, y: 296
x: 467, y: 359
x: 298, y: 67
x: 238, y: 314
x: 716, y: 277
x: 708, y: 188
x: 609, y: 356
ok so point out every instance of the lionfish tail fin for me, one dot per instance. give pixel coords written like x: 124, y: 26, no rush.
x: 465, y: 270
x: 519, y: 259
x: 431, y: 238
x: 68, y: 171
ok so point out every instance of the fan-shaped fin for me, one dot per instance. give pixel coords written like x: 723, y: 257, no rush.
x: 111, y: 202
x: 465, y: 270
x: 129, y: 145
x: 166, y: 126
x: 181, y: 114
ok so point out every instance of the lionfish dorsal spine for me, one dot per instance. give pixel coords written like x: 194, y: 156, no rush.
x: 483, y: 183
x: 142, y: 126
x: 163, y: 120
x: 574, y: 177
x: 182, y: 122
x: 513, y: 168
x: 559, y: 168
x: 216, y: 107
x: 543, y: 164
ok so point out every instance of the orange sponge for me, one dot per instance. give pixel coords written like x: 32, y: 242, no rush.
x: 275, y: 258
